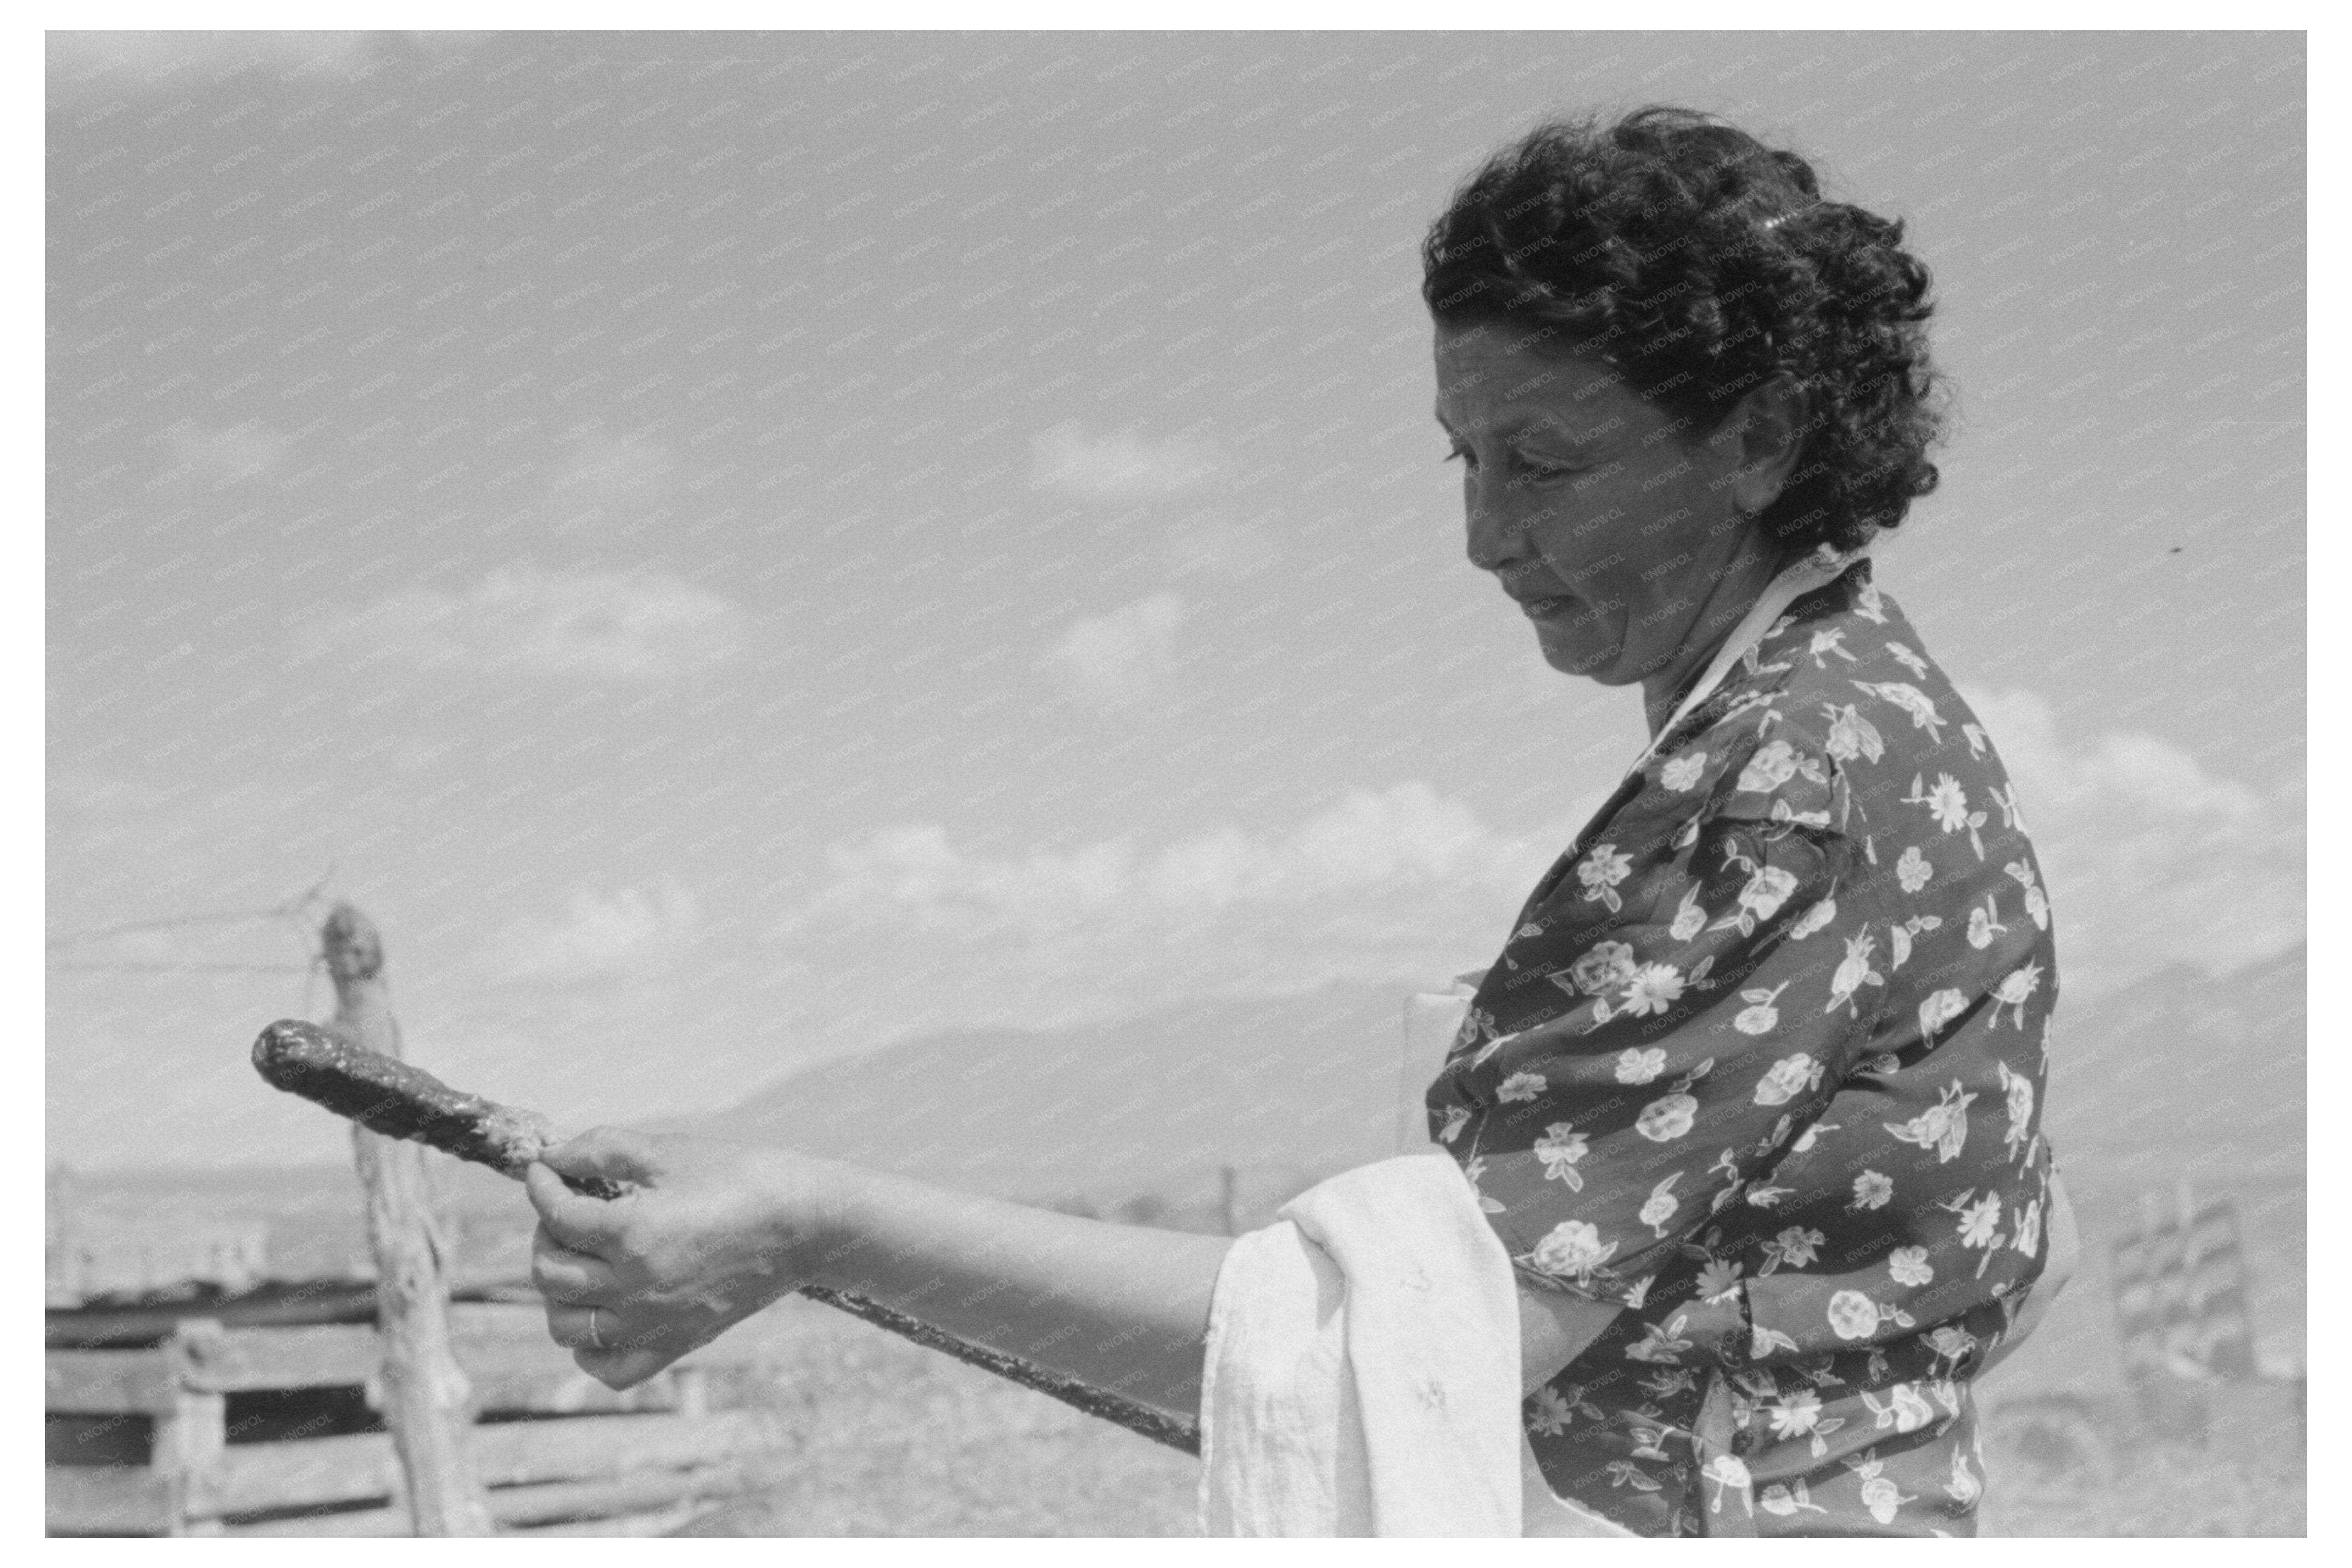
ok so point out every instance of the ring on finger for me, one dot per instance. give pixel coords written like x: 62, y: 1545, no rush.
x: 595, y: 1340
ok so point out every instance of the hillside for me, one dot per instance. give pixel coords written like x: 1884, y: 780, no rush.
x: 1115, y: 1108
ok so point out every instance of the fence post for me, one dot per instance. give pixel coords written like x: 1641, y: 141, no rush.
x: 189, y: 1437
x: 427, y: 1397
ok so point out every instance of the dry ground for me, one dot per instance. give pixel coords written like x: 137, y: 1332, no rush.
x: 879, y: 1438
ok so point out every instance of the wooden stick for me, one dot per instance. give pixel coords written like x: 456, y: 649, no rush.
x: 425, y: 1395
x: 1100, y: 1402
x: 406, y: 1102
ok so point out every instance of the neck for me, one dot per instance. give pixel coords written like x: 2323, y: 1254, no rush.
x: 1736, y: 589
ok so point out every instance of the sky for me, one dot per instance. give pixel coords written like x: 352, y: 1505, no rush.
x: 736, y: 550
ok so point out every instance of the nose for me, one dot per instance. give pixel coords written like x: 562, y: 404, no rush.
x: 1498, y: 529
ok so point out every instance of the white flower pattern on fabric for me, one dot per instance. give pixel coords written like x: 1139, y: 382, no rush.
x: 1794, y: 1247
x: 1948, y: 803
x: 1572, y: 1249
x: 1979, y: 1221
x: 1909, y: 1266
x: 1852, y: 1315
x: 2028, y: 1228
x: 1768, y: 889
x: 1817, y: 918
x: 1912, y: 700
x: 1940, y: 1010
x: 1760, y: 1015
x: 1559, y: 1150
x: 2017, y: 1089
x: 1600, y: 871
x: 1772, y: 765
x: 1662, y: 1205
x: 1519, y: 1088
x: 1664, y: 1121
x: 1913, y: 869
x: 1797, y: 1414
x: 2037, y: 902
x: 1660, y: 1344
x: 1853, y: 973
x: 1608, y: 964
x: 1652, y: 988
x: 1943, y: 1127
x: 2013, y: 990
x: 1786, y: 1078
x: 1852, y: 735
x: 1681, y: 775
x: 1638, y: 1066
x: 1689, y: 918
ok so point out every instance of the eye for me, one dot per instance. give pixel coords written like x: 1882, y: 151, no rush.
x: 1461, y: 454
x: 1538, y: 471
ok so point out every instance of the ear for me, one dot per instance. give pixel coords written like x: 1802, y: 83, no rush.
x: 1769, y: 427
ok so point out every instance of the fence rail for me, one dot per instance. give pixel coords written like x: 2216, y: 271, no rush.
x: 558, y: 1452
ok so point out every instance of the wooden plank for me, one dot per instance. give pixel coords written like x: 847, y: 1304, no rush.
x: 108, y: 1500
x: 492, y: 1346
x: 638, y: 1526
x: 566, y: 1390
x: 522, y: 1506
x: 516, y: 1452
x: 355, y: 1522
x: 252, y: 1477
x: 109, y: 1383
x: 633, y: 1493
x: 323, y: 1356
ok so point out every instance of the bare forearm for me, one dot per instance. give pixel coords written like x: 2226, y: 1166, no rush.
x: 1119, y: 1306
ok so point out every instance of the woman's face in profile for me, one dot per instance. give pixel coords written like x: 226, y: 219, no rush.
x: 1587, y: 502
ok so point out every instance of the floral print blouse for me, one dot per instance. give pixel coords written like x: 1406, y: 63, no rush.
x: 1762, y: 1061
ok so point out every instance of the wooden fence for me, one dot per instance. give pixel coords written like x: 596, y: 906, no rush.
x: 558, y: 1452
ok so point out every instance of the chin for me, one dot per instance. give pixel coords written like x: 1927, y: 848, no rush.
x: 1600, y: 666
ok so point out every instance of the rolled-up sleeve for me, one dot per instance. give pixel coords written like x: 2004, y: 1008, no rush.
x: 1678, y: 1002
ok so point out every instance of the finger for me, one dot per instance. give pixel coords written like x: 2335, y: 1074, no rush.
x: 585, y: 1329
x: 562, y: 1275
x: 585, y: 1224
x: 619, y: 1369
x: 614, y: 1154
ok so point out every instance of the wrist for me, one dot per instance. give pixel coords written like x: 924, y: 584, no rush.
x: 814, y: 1201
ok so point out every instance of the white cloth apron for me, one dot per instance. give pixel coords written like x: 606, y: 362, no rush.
x: 1362, y: 1371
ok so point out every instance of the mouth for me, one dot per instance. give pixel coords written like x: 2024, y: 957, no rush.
x: 1545, y: 608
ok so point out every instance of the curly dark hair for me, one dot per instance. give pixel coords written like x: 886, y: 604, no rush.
x: 1698, y: 263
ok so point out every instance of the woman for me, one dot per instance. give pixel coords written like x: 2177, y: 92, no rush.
x: 1751, y: 1097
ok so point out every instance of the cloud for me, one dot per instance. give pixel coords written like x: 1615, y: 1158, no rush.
x: 1400, y: 883
x: 84, y: 63
x: 1210, y: 546
x: 2151, y: 860
x: 240, y: 452
x: 612, y: 468
x: 601, y: 936
x: 1118, y: 660
x: 1120, y: 467
x: 615, y: 625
